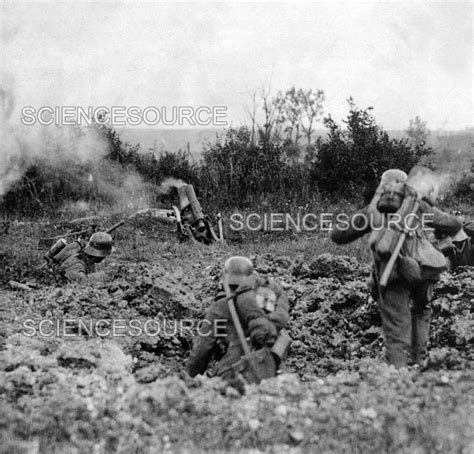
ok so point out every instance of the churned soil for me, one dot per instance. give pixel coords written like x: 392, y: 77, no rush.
x: 74, y: 389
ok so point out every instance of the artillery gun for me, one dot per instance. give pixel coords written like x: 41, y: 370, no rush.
x: 191, y: 222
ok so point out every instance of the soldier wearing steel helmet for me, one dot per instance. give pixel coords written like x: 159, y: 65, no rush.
x: 76, y: 262
x: 262, y: 309
x: 404, y: 295
x: 459, y: 249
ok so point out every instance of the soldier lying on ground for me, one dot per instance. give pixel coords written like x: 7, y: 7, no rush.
x: 404, y: 301
x: 262, y: 309
x: 76, y: 262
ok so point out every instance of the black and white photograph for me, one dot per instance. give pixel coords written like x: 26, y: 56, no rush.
x: 236, y: 227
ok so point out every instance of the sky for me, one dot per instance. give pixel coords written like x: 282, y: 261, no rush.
x: 403, y: 59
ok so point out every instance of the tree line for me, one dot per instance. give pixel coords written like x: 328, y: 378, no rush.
x: 275, y: 163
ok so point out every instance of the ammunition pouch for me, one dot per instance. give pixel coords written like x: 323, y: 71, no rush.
x: 256, y: 366
x: 409, y: 269
x: 430, y: 260
x: 282, y: 345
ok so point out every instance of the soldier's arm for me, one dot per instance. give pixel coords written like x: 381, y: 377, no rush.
x: 280, y: 315
x: 75, y: 271
x: 357, y: 226
x: 68, y: 251
x: 96, y: 276
x: 443, y: 223
x: 205, y: 342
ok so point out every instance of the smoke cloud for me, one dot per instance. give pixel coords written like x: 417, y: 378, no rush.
x: 75, y: 152
x: 425, y: 181
x: 169, y: 183
x: 21, y: 146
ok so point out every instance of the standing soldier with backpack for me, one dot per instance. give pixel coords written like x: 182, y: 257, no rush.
x: 253, y: 313
x: 405, y: 264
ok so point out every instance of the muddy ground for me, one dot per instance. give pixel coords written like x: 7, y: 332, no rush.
x: 77, y: 390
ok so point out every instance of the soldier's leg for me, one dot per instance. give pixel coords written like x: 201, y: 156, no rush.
x: 224, y: 368
x: 421, y: 316
x: 394, y: 305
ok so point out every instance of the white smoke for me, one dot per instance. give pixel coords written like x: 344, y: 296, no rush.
x: 170, y: 183
x: 21, y: 145
x: 64, y: 150
x: 424, y: 180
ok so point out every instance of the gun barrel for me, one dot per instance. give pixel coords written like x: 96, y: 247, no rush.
x: 194, y: 202
x: 115, y: 226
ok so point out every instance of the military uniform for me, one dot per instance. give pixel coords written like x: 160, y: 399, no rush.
x: 405, y: 325
x: 260, y: 326
x: 460, y: 251
x: 73, y: 263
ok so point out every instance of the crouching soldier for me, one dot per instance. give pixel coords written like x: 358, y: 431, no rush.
x: 459, y: 248
x: 76, y: 262
x: 252, y: 314
x: 405, y: 263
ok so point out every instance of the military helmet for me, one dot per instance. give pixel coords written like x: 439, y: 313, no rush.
x: 394, y: 175
x: 237, y: 269
x: 100, y: 245
x: 392, y: 189
x: 424, y: 181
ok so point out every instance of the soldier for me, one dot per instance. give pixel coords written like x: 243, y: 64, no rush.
x: 404, y: 300
x: 262, y: 309
x: 75, y: 262
x: 459, y: 249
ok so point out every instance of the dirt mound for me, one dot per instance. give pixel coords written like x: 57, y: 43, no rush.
x: 99, y: 390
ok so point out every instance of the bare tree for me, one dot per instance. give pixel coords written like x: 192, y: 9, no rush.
x: 312, y: 107
x: 268, y: 130
x: 297, y: 112
x: 252, y: 114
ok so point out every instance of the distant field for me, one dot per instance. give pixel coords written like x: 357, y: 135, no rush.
x: 161, y: 140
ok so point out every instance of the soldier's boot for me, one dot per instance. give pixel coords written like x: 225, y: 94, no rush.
x: 397, y: 352
x: 394, y: 308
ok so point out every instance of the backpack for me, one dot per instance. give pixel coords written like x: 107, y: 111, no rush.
x: 419, y: 260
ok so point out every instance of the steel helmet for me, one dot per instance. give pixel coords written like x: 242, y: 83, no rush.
x: 424, y: 181
x: 391, y: 190
x: 394, y: 175
x: 237, y: 269
x: 100, y: 245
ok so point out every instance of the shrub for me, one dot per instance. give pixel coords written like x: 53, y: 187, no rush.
x: 349, y: 162
x: 238, y: 172
x: 461, y: 190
